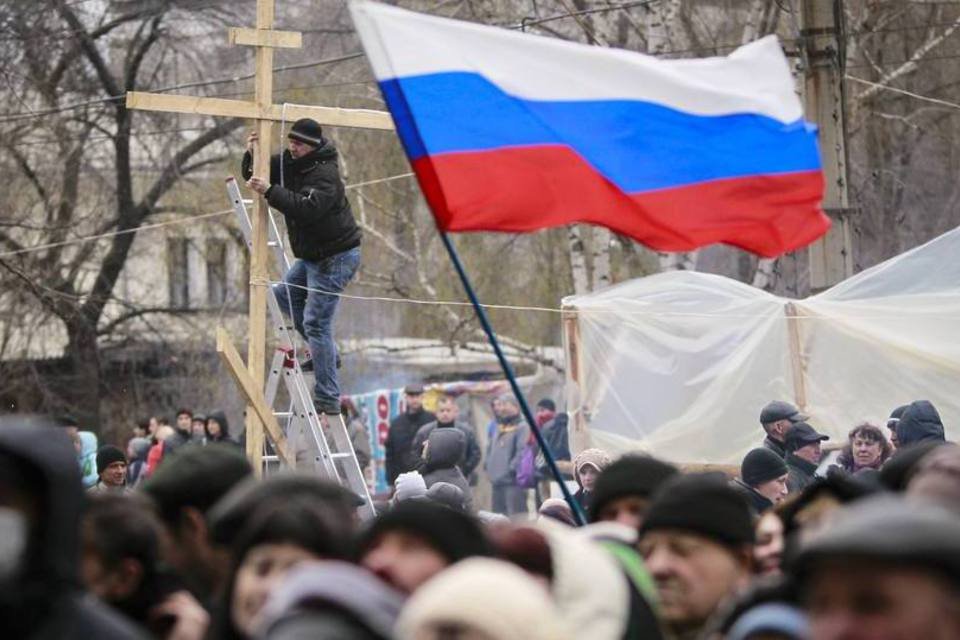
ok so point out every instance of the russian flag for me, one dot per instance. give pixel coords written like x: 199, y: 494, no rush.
x: 512, y: 132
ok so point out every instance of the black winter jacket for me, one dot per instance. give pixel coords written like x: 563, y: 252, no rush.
x: 313, y: 200
x: 800, y: 473
x: 757, y: 502
x: 399, y: 445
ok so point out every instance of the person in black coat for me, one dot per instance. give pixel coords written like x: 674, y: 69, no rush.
x: 305, y: 186
x: 41, y: 507
x: 398, y: 448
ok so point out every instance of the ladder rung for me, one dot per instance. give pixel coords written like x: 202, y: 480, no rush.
x: 340, y: 455
x: 282, y: 414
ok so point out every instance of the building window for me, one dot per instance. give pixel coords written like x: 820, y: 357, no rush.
x: 216, y: 251
x: 178, y: 272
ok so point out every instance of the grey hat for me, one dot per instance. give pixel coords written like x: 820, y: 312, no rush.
x: 780, y: 410
x: 888, y: 529
x: 413, y: 389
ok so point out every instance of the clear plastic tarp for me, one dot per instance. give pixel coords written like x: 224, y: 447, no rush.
x: 679, y: 364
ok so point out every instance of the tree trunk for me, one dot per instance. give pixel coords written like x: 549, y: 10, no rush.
x: 578, y: 260
x: 601, y: 244
x: 82, y: 385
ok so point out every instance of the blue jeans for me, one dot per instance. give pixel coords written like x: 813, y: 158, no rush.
x: 312, y: 313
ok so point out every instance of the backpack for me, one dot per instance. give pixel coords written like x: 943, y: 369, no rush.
x: 527, y: 468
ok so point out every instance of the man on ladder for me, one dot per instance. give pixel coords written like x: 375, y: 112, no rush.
x: 305, y: 186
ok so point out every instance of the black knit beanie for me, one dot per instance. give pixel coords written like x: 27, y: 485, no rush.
x: 107, y: 455
x: 453, y: 534
x: 761, y: 465
x: 307, y: 131
x: 701, y: 503
x: 631, y: 475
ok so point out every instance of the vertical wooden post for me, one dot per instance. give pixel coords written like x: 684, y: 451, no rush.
x: 259, y: 264
x: 831, y: 257
x: 579, y: 437
x: 797, y: 363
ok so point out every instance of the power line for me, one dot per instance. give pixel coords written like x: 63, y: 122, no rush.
x: 166, y: 223
x: 26, y: 115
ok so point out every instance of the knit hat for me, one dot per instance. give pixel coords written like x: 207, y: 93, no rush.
x: 447, y: 495
x: 307, y: 131
x: 409, y: 486
x: 631, y: 475
x: 107, y: 455
x: 483, y: 595
x: 702, y: 503
x: 452, y: 534
x: 596, y: 458
x: 761, y: 465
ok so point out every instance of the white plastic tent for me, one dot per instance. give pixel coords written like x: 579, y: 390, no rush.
x: 679, y: 364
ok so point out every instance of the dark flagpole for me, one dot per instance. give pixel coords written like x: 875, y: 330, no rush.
x: 508, y: 371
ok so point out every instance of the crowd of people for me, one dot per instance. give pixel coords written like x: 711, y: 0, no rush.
x: 185, y: 542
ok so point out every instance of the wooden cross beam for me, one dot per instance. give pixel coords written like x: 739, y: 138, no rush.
x: 264, y: 39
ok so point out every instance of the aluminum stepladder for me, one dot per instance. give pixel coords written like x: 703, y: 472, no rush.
x: 337, y: 463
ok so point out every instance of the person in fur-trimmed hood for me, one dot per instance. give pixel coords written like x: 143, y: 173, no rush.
x: 586, y: 467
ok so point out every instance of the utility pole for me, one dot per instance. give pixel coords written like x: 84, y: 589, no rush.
x: 824, y: 54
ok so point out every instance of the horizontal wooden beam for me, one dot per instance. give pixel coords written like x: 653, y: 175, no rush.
x: 332, y: 116
x: 238, y: 370
x: 265, y: 38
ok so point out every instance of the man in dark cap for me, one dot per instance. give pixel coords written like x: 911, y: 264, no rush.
x: 305, y: 186
x: 892, y: 422
x: 763, y: 479
x: 777, y: 418
x: 803, y: 455
x: 697, y: 542
x: 398, y: 449
x: 111, y: 469
x: 885, y: 568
